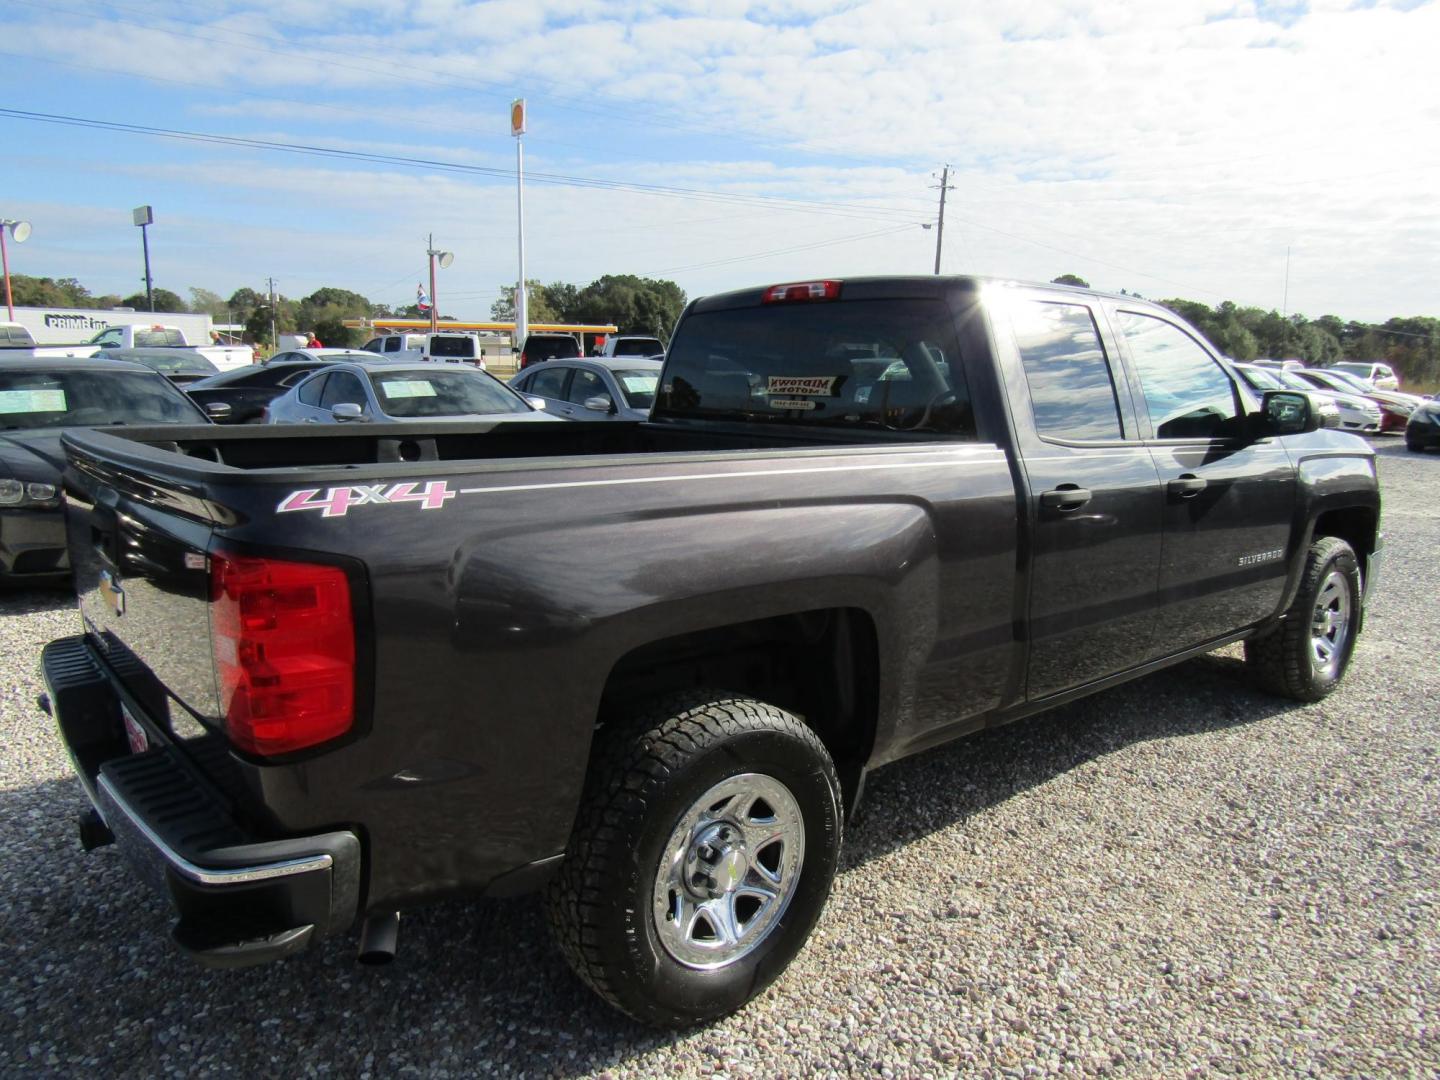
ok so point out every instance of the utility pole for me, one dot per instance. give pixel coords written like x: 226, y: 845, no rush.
x: 274, y: 341
x: 945, y: 186
x: 522, y: 301
x: 434, y: 310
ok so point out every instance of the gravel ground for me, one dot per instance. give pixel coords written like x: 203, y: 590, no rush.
x: 1177, y: 877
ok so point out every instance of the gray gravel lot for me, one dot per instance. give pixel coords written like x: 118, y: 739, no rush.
x: 1177, y: 877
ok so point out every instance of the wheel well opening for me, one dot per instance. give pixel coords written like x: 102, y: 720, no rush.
x: 1356, y: 526
x: 820, y: 665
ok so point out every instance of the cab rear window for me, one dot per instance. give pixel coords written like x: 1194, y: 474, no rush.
x: 878, y: 364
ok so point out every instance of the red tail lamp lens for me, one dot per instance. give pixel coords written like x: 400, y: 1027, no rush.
x: 284, y: 646
x: 802, y: 291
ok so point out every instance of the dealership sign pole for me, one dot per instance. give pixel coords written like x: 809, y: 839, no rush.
x: 144, y: 216
x: 522, y: 306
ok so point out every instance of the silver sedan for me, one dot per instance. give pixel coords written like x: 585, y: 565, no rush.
x: 600, y: 388
x: 387, y: 392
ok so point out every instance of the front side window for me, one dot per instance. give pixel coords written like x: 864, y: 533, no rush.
x: 1071, y: 391
x: 585, y: 385
x: 1187, y: 393
x: 888, y: 365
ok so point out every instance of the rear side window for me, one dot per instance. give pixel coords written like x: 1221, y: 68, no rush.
x: 1072, y: 393
x: 1187, y: 394
x: 309, y: 394
x: 548, y: 382
x: 867, y: 364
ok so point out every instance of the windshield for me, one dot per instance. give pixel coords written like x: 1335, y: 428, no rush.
x: 180, y: 362
x: 412, y: 393
x: 1259, y: 378
x: 890, y: 364
x: 42, y: 399
x: 453, y: 346
x: 1348, y: 381
x: 1295, y: 382
x: 638, y: 346
x: 638, y: 387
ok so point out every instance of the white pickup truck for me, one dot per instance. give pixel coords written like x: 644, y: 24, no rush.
x: 16, y: 340
x: 452, y: 347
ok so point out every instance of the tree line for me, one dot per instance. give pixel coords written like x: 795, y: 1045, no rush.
x: 634, y: 304
x: 1411, y: 345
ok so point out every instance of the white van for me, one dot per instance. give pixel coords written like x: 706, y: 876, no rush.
x: 446, y: 346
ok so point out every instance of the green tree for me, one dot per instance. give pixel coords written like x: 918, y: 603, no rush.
x: 1070, y: 279
x: 539, y: 310
x: 325, y: 311
x: 165, y: 300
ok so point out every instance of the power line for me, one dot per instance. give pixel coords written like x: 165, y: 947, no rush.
x: 780, y: 251
x: 809, y: 206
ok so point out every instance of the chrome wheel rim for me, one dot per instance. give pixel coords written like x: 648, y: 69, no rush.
x: 1330, y: 625
x: 728, y: 871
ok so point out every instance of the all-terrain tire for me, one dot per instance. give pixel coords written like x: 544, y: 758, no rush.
x: 645, y: 778
x: 1286, y: 660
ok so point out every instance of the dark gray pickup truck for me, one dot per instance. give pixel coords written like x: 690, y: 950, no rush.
x: 328, y: 675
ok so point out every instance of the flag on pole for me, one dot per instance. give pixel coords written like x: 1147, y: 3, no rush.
x: 421, y: 300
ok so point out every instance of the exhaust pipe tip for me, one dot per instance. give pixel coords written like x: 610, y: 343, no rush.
x: 378, y: 936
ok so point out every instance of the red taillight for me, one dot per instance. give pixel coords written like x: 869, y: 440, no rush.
x: 804, y: 290
x: 284, y: 647
x: 524, y: 359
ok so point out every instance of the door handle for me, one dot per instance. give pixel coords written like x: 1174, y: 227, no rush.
x: 1065, y: 498
x: 1186, y: 487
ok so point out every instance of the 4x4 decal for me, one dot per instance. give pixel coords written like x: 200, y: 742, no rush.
x: 337, y: 501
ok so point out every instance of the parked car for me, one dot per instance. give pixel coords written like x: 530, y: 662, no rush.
x: 387, y: 392
x: 1355, y: 413
x: 180, y: 366
x: 1395, y: 406
x: 632, y: 345
x: 647, y: 667
x: 594, y: 389
x: 331, y: 355
x: 39, y: 400
x: 246, y: 391
x: 1372, y: 373
x: 546, y: 346
x: 1423, y: 430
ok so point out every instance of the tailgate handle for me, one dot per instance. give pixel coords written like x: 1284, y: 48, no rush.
x: 1186, y: 487
x: 1065, y: 498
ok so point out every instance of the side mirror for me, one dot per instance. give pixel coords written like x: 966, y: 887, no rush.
x: 536, y: 402
x: 218, y: 411
x: 1287, y: 412
x: 346, y: 410
x: 599, y: 403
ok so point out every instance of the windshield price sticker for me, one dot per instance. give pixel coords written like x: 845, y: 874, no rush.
x: 406, y: 388
x: 791, y: 403
x: 28, y: 401
x: 807, y: 385
x: 337, y: 501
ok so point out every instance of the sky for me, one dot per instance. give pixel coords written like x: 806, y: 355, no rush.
x: 1280, y: 154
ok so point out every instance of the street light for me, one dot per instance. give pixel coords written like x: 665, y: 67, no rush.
x: 144, y: 217
x: 446, y: 258
x: 21, y: 231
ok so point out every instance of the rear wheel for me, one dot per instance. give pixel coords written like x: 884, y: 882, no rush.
x: 1306, y: 655
x: 701, y: 858
x: 1414, y: 447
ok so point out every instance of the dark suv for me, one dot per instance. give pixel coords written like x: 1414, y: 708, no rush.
x: 539, y: 347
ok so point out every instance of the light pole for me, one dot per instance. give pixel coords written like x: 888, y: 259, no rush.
x: 446, y: 258
x: 144, y: 217
x: 522, y: 304
x: 21, y: 231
